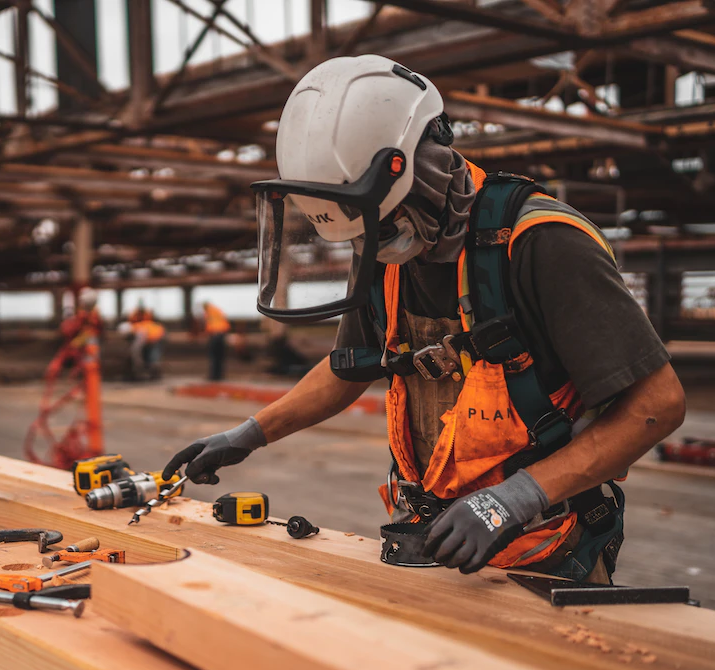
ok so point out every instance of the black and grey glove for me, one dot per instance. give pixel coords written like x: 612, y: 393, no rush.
x: 208, y: 454
x: 476, y: 527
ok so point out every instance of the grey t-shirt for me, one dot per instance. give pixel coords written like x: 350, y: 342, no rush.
x: 580, y: 320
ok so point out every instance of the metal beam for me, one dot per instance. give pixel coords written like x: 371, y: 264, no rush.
x: 21, y: 59
x: 71, y: 48
x: 261, y: 50
x: 179, y: 74
x: 141, y: 62
x: 549, y: 9
x: 461, y: 105
x: 317, y: 47
x: 357, y: 36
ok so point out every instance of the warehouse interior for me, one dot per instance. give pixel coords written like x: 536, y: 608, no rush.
x: 130, y: 134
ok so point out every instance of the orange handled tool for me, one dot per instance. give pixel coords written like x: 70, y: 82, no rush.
x: 20, y: 583
x: 105, y: 555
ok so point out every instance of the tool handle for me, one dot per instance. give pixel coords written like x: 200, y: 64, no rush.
x: 69, y: 591
x: 88, y: 544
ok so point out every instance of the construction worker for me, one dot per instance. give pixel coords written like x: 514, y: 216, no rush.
x: 147, y: 339
x: 216, y: 326
x: 524, y: 376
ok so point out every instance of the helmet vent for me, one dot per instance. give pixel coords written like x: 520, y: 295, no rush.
x: 403, y: 72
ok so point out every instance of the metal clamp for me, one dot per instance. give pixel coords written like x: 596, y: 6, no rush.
x: 433, y: 362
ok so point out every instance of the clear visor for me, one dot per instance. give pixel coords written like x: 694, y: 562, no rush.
x: 304, y: 250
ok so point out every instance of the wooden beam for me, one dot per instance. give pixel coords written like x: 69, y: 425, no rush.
x: 472, y: 609
x: 672, y: 51
x: 203, y: 609
x: 460, y: 105
x: 182, y: 220
x: 82, y: 180
x: 658, y: 20
x: 46, y: 148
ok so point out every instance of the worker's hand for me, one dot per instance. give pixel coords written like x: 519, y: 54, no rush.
x: 208, y: 454
x: 476, y: 527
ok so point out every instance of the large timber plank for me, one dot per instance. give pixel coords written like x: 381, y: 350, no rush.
x: 32, y: 640
x: 483, y: 609
x: 210, y: 612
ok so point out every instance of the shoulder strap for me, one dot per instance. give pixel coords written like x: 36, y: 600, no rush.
x: 495, y: 333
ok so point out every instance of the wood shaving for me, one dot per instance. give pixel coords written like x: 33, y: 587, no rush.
x: 360, y: 539
x: 649, y: 658
x: 563, y: 630
x: 57, y: 581
x: 349, y: 534
x: 584, y: 611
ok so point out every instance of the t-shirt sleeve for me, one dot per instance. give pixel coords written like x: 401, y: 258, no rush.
x: 600, y: 334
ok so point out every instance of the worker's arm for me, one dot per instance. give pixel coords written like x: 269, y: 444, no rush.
x: 316, y: 397
x: 644, y: 414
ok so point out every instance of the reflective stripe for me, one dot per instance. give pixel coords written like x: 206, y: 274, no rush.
x: 540, y: 208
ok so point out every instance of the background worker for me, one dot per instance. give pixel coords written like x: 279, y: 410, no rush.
x: 146, y: 343
x: 363, y: 145
x: 216, y: 326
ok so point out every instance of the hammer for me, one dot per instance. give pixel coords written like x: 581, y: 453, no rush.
x: 43, y: 537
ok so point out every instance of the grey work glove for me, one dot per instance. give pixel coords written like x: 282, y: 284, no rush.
x: 208, y: 454
x: 478, y: 526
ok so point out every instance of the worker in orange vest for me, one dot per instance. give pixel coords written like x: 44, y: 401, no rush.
x: 216, y: 326
x: 524, y: 377
x: 147, y: 339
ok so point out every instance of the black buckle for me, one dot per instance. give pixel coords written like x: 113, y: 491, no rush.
x: 546, y: 423
x: 490, y: 334
x: 425, y: 505
x: 434, y: 362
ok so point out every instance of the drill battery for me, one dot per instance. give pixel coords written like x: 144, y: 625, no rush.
x: 89, y: 474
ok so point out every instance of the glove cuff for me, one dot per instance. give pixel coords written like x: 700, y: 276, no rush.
x: 249, y: 435
x: 523, y: 495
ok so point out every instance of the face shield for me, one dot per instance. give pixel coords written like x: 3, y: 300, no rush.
x: 308, y: 268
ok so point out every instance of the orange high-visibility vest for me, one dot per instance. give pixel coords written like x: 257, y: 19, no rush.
x: 152, y: 331
x: 216, y: 321
x: 483, y: 429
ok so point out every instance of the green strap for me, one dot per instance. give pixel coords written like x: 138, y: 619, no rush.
x: 497, y: 207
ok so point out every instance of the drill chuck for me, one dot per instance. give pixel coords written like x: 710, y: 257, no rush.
x: 128, y: 492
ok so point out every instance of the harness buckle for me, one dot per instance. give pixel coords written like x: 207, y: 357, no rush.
x: 546, y: 423
x: 434, y: 362
x: 493, y: 334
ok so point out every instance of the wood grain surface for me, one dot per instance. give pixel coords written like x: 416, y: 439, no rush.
x: 484, y: 610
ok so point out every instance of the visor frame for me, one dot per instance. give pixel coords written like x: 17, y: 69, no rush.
x: 365, y: 194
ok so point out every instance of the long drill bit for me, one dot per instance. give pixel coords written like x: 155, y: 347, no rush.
x: 159, y: 500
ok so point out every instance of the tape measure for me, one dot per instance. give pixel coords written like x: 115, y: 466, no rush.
x: 244, y: 508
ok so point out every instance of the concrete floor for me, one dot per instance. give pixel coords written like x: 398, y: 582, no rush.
x: 330, y: 474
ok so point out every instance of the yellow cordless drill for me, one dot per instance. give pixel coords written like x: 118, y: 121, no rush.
x: 93, y: 473
x: 132, y: 491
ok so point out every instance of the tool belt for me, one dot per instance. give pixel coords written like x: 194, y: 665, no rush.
x: 600, y: 516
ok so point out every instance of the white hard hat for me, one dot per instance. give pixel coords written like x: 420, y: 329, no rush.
x: 338, y: 117
x: 87, y: 298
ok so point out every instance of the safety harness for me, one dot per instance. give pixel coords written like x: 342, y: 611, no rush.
x: 491, y: 333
